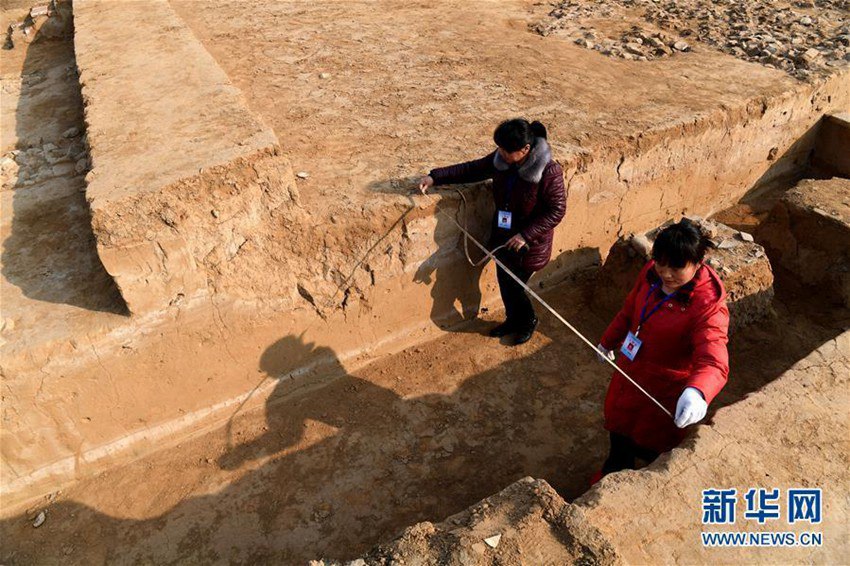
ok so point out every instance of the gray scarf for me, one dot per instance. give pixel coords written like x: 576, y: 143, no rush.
x: 532, y: 169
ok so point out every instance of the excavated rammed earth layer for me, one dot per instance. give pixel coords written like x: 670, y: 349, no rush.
x: 808, y: 233
x: 187, y: 174
x: 743, y: 266
x: 359, y: 277
x: 831, y: 150
x: 801, y: 438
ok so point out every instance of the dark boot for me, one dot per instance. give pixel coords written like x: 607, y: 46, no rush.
x: 502, y: 330
x: 526, y: 333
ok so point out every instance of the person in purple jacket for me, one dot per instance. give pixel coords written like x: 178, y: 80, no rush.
x: 528, y: 189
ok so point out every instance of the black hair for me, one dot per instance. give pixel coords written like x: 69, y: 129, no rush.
x: 515, y: 134
x: 679, y: 244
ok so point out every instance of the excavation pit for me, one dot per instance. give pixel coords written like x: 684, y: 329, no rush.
x: 301, y: 373
x: 734, y: 255
x: 808, y: 233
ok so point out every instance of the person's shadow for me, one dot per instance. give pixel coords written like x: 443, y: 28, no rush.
x: 341, y: 462
x: 299, y: 367
x: 455, y: 283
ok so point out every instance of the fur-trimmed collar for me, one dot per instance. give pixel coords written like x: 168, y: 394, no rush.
x: 532, y: 170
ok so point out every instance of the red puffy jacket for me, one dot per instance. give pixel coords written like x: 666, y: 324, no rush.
x: 684, y: 345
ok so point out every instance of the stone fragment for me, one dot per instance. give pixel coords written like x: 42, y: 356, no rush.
x: 493, y: 541
x: 641, y: 244
x: 63, y: 169
x: 71, y: 132
x: 39, y: 519
x: 37, y: 11
x: 810, y: 55
x: 634, y: 48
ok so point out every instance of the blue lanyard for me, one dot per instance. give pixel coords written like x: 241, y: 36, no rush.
x: 643, y: 316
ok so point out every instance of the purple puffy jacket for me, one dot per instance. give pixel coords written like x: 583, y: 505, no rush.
x: 535, y: 191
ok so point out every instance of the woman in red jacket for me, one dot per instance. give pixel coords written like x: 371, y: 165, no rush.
x: 528, y: 189
x: 671, y: 335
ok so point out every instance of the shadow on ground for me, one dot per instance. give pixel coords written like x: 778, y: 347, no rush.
x: 333, y: 467
x: 335, y: 464
x: 50, y: 253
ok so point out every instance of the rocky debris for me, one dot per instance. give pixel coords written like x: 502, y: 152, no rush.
x: 28, y: 166
x: 532, y: 525
x: 808, y: 233
x: 741, y: 263
x: 49, y: 20
x: 804, y: 39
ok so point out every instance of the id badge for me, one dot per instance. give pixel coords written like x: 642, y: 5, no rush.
x: 630, y: 347
x: 504, y: 219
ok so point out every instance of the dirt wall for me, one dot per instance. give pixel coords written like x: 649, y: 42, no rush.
x: 697, y: 166
x: 792, y: 433
x: 808, y: 233
x: 831, y: 155
x: 383, y: 275
x: 182, y: 173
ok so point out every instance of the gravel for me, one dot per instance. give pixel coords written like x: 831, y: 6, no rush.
x: 804, y: 39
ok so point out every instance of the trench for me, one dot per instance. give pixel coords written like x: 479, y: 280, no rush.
x: 419, y: 435
x: 49, y: 251
x: 331, y: 470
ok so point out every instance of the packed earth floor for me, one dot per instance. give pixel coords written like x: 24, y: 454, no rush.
x: 330, y: 472
x: 363, y: 97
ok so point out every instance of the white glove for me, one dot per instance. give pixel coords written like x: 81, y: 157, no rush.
x: 691, y: 407
x: 608, y: 353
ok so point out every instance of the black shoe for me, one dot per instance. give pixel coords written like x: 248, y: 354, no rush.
x: 502, y: 330
x: 525, y: 335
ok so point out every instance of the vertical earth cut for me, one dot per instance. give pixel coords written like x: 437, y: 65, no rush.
x: 184, y: 177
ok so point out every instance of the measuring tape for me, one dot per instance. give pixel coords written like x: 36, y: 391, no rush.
x: 489, y: 254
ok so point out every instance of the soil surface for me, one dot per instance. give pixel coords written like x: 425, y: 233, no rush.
x: 420, y: 435
x: 51, y: 271
x: 332, y: 469
x: 365, y: 94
